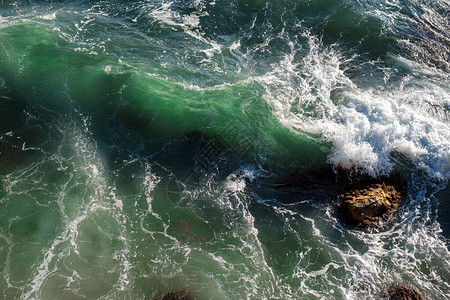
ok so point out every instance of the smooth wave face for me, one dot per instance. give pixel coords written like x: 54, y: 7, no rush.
x: 140, y: 140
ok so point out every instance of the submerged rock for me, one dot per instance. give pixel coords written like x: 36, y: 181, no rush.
x: 210, y: 153
x: 362, y: 201
x: 316, y: 179
x: 177, y: 295
x: 184, y: 227
x: 403, y: 293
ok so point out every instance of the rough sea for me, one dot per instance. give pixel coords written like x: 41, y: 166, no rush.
x: 141, y: 143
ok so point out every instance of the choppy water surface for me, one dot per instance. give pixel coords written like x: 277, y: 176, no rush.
x: 110, y: 188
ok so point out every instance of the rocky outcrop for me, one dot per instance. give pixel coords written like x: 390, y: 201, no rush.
x: 362, y: 201
x: 369, y: 204
x: 403, y: 293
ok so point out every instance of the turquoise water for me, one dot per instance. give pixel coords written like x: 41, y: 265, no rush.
x: 140, y: 142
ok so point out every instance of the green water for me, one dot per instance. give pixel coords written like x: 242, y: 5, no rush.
x: 140, y: 142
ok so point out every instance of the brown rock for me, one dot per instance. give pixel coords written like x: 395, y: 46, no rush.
x: 403, y: 293
x: 363, y: 201
x: 366, y: 206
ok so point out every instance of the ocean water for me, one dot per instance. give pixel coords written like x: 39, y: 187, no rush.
x: 140, y: 142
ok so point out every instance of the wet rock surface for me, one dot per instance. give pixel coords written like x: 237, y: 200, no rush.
x: 403, y: 293
x: 368, y: 204
x: 177, y: 295
x: 362, y: 201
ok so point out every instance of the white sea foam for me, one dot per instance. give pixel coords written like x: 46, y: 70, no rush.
x: 150, y: 182
x: 48, y: 17
x: 189, y: 23
x: 88, y: 168
x: 365, y: 124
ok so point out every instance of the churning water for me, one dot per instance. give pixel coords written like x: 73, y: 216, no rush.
x: 112, y: 189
